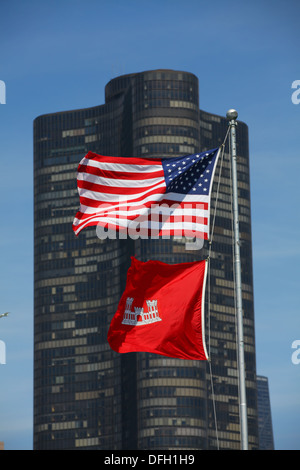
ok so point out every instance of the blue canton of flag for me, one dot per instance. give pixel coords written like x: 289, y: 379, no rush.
x: 191, y: 174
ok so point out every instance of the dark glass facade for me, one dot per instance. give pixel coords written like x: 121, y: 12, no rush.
x: 78, y: 281
x: 265, y: 426
x: 87, y: 396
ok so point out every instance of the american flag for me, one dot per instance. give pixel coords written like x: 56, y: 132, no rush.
x: 166, y: 196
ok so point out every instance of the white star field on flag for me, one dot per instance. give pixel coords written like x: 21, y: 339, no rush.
x: 191, y: 174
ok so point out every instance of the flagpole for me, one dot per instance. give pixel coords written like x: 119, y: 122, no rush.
x: 231, y: 117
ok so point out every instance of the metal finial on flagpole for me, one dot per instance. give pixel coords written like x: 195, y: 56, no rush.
x: 232, y: 116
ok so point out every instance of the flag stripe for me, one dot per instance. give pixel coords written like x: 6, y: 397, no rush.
x: 116, y: 182
x: 127, y: 164
x: 88, y: 205
x: 98, y: 171
x: 124, y: 189
x: 151, y: 211
x: 115, y: 198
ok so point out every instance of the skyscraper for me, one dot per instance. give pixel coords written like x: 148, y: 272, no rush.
x: 265, y: 427
x: 87, y: 396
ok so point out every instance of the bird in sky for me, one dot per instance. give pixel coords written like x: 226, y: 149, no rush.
x: 4, y: 314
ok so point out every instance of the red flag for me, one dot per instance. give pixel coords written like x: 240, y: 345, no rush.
x: 162, y: 310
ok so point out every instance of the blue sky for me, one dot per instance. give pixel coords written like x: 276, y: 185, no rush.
x: 58, y: 55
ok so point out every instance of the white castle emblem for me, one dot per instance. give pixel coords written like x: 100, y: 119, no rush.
x: 139, y: 317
